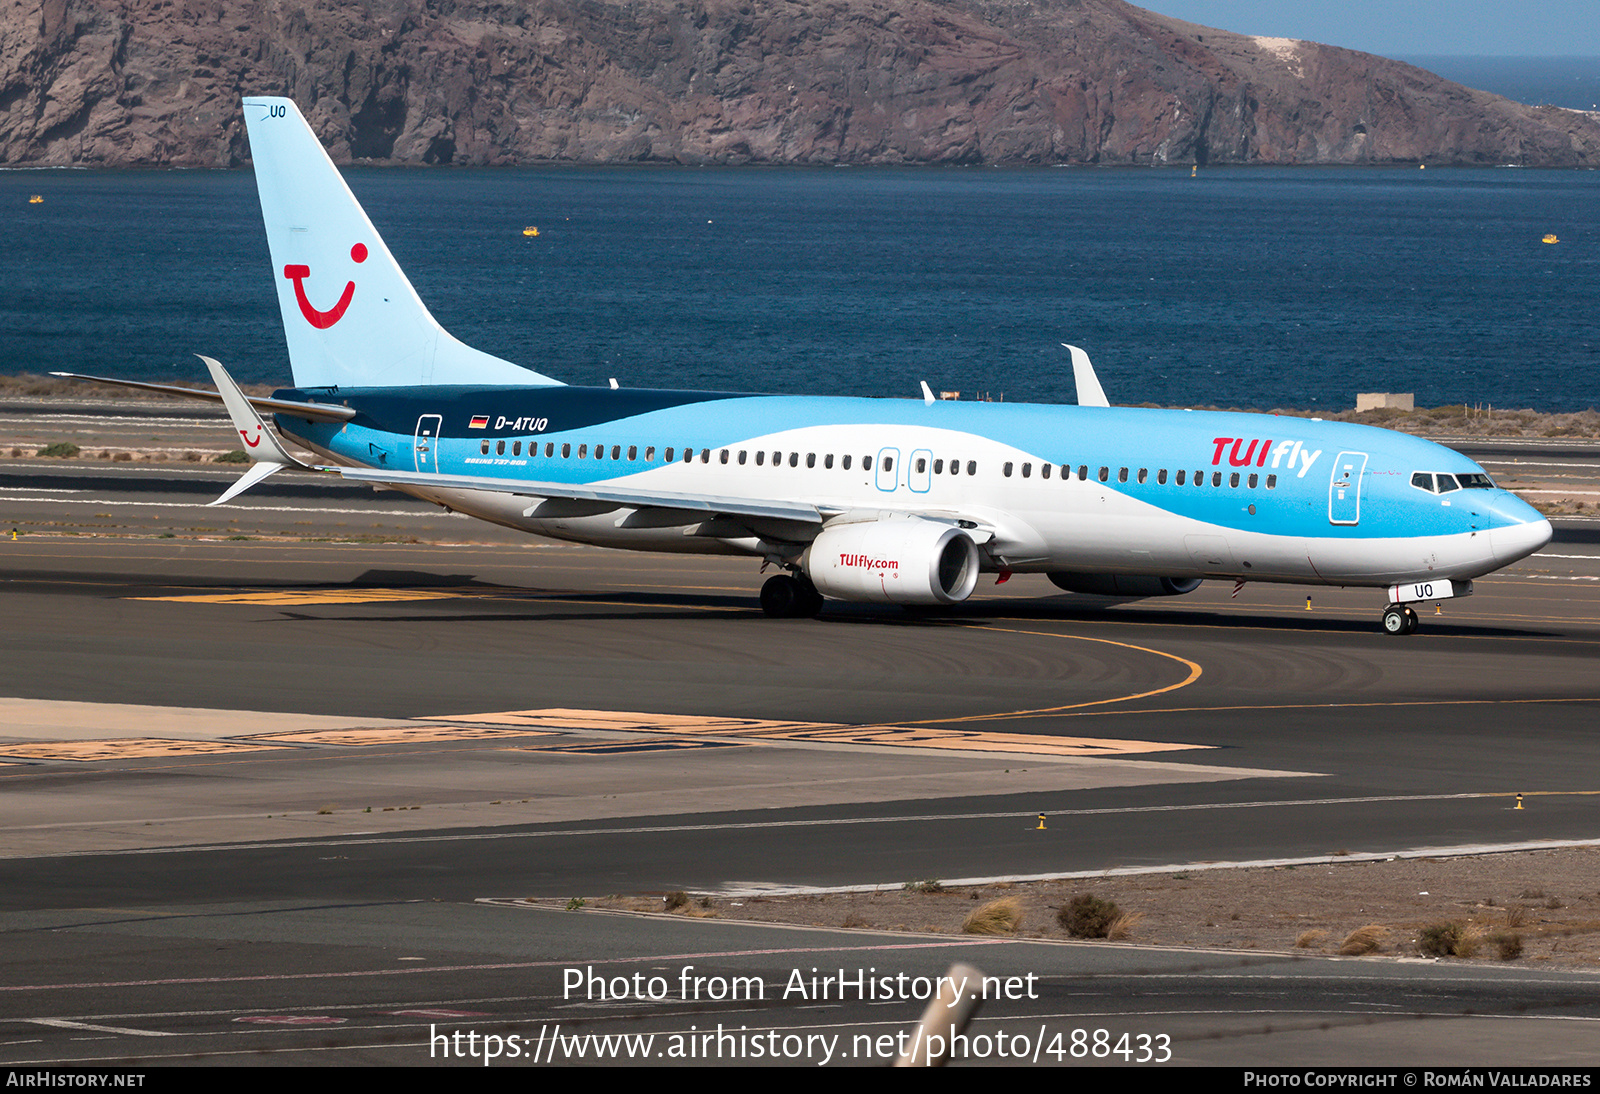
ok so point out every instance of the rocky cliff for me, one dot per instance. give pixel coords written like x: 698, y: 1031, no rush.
x: 158, y: 82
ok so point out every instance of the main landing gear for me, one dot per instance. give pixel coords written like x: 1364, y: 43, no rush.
x: 790, y: 597
x: 1399, y: 619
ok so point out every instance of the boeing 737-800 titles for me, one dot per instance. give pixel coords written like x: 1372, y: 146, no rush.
x: 892, y: 501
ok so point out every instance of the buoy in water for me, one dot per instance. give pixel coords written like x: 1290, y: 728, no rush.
x: 530, y: 231
x: 36, y: 199
x: 1551, y: 238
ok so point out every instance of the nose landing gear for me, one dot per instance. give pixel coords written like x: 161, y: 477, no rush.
x: 1399, y: 619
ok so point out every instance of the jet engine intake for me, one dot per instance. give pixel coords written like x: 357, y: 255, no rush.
x: 893, y: 562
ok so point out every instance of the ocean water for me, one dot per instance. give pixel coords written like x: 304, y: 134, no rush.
x: 1251, y: 287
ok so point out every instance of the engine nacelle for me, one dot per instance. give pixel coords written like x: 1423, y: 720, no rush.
x: 1124, y: 584
x: 893, y: 562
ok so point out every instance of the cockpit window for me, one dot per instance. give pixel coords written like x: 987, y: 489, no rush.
x: 1444, y: 484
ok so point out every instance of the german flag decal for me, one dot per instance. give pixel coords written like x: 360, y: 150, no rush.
x: 479, y: 421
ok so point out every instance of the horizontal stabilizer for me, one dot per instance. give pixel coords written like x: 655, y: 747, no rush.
x: 316, y: 412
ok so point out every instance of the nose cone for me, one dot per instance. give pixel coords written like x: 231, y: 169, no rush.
x: 1516, y: 529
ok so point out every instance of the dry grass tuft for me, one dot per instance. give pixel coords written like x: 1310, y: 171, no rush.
x: 1448, y: 939
x: 1122, y: 927
x: 1087, y: 916
x: 1507, y: 944
x: 1364, y: 940
x: 1002, y: 916
x: 1310, y: 940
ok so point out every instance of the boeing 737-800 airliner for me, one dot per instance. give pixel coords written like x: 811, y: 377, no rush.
x: 893, y: 501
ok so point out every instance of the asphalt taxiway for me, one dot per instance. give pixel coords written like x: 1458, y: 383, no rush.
x: 279, y: 793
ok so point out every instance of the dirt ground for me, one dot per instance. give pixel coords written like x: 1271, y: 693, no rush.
x: 1536, y: 907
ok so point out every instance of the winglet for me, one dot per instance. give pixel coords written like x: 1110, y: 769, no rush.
x: 261, y: 444
x: 927, y: 394
x: 1090, y: 393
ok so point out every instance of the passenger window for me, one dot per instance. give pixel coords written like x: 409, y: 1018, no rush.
x: 1216, y: 478
x: 1272, y: 482
x: 1233, y: 480
x: 499, y: 448
x: 566, y: 451
x: 616, y: 452
x: 1122, y: 474
x: 1143, y: 474
x: 827, y: 462
x: 811, y: 459
x: 667, y: 455
x: 484, y: 448
x: 866, y: 463
x: 633, y: 452
x: 777, y: 459
x: 1254, y: 478
x: 794, y: 459
x: 516, y: 449
x: 725, y: 456
x: 1083, y: 472
x: 1161, y: 477
x: 888, y: 463
x: 1006, y: 470
x: 549, y: 449
x: 1182, y: 478
x: 761, y: 457
x: 938, y: 467
x: 1044, y: 471
x: 922, y: 465
x: 1066, y: 472
x: 972, y: 467
x: 845, y: 463
x: 1027, y: 470
x: 1105, y: 474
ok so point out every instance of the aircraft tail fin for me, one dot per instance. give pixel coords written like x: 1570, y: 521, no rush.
x: 350, y: 316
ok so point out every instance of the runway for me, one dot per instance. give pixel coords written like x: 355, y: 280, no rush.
x: 197, y: 726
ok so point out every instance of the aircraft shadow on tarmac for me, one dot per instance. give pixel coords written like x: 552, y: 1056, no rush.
x: 1064, y: 608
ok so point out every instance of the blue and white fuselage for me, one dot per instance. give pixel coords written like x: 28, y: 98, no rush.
x: 901, y: 501
x: 1051, y: 489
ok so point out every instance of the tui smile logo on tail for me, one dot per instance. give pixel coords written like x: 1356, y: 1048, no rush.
x: 322, y: 320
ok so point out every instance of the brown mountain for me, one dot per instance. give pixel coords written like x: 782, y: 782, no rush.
x: 728, y: 81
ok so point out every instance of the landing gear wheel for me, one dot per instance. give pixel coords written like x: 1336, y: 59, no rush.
x: 810, y: 599
x: 1399, y: 619
x: 780, y: 596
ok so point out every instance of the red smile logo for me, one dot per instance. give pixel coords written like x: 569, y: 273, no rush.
x: 245, y: 433
x: 322, y: 320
